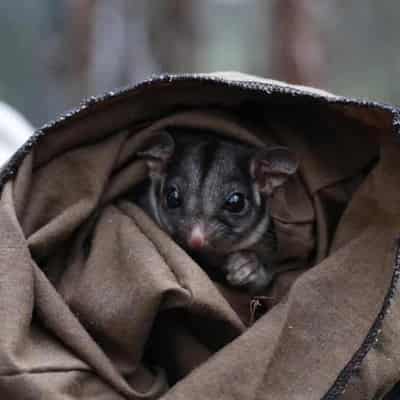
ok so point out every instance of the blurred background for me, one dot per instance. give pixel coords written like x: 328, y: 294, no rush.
x: 55, y: 53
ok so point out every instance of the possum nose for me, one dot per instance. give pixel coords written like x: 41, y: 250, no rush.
x: 197, y: 238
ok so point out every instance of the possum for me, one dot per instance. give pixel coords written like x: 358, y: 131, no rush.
x: 212, y: 196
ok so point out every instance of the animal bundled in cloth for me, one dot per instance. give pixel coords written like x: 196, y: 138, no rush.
x: 212, y: 196
x: 138, y: 233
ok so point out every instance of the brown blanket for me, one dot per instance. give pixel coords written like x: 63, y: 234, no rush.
x: 96, y: 302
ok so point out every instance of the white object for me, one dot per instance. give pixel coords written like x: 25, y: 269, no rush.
x: 14, y: 131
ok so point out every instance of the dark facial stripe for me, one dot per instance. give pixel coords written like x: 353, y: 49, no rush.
x: 207, y: 155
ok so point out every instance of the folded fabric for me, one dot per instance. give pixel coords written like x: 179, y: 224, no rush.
x: 96, y: 302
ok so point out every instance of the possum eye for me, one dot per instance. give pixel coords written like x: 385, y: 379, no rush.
x: 172, y: 197
x: 235, y: 203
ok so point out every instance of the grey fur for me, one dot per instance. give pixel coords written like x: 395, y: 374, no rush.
x: 205, y: 171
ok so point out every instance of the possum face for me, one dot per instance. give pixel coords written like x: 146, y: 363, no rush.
x: 211, y: 195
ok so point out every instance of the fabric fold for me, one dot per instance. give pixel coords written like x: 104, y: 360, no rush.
x: 96, y: 301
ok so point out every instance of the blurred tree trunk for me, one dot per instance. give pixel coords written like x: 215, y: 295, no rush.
x: 299, y: 53
x: 120, y: 51
x: 79, y: 44
x: 95, y: 46
x: 140, y: 62
x: 65, y: 53
x: 174, y: 35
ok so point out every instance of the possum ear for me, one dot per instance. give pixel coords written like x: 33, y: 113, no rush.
x: 157, y: 152
x: 270, y: 168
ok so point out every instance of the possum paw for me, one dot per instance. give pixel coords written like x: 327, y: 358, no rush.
x: 244, y: 270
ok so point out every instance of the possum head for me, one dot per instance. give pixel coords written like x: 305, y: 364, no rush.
x: 211, y: 194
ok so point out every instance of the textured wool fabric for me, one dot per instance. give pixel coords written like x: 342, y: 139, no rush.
x: 96, y: 302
